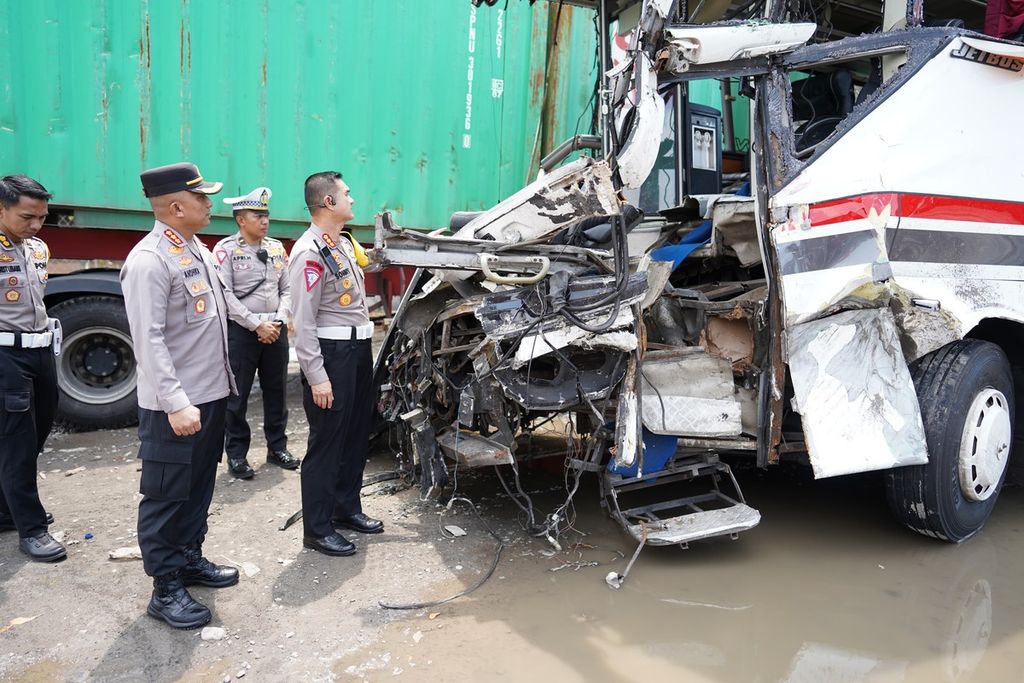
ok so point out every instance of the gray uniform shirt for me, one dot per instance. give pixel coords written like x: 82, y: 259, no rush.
x: 322, y: 299
x: 176, y: 311
x: 241, y: 271
x: 23, y: 277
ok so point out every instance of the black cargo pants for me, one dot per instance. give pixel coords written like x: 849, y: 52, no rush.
x: 248, y: 356
x: 28, y: 390
x: 332, y: 470
x: 178, y: 473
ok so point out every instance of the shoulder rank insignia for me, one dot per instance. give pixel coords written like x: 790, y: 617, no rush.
x: 12, y: 295
x: 329, y: 241
x: 173, y: 238
x: 5, y: 241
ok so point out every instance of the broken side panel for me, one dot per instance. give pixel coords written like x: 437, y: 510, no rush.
x: 854, y: 393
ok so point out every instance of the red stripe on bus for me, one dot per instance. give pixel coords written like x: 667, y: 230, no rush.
x: 935, y: 207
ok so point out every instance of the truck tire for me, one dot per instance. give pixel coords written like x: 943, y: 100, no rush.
x: 965, y: 390
x: 96, y: 367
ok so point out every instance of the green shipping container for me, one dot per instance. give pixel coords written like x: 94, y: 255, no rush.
x: 426, y: 106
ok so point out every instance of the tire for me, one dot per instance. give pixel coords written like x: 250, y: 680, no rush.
x: 96, y: 367
x: 965, y: 390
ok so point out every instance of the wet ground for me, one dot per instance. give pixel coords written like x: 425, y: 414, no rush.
x: 827, y: 588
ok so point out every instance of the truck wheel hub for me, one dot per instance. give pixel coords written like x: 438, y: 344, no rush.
x: 985, y: 444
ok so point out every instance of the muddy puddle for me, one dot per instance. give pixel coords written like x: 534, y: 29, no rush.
x: 827, y: 588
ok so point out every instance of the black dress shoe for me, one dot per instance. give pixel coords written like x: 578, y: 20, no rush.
x: 240, y: 469
x: 282, y: 459
x: 42, y: 548
x: 359, y: 522
x: 335, y: 544
x: 172, y: 603
x: 200, y: 571
x: 7, y: 522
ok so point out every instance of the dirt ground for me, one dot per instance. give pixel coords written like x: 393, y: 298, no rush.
x: 827, y: 588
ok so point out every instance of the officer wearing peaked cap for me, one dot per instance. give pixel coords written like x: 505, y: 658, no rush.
x: 252, y: 269
x: 28, y: 378
x: 332, y: 341
x: 177, y: 314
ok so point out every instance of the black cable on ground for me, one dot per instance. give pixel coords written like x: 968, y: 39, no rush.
x: 490, y: 572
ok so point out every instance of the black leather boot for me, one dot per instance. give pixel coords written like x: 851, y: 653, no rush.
x: 200, y: 571
x: 172, y: 603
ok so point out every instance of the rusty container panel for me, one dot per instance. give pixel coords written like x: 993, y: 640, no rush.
x: 426, y: 107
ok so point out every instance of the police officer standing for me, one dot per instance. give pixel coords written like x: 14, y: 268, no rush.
x: 177, y: 314
x: 252, y: 269
x: 28, y: 376
x: 332, y: 341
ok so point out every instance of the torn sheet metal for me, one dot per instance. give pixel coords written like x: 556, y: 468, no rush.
x: 536, y: 345
x: 560, y: 381
x: 826, y: 263
x: 689, y: 395
x: 469, y: 449
x: 712, y: 44
x: 854, y: 393
x: 735, y: 229
x: 568, y: 194
x: 627, y: 435
x: 640, y: 149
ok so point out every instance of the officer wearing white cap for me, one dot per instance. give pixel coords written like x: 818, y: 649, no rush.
x: 332, y: 341
x: 177, y: 314
x: 28, y: 378
x: 252, y: 269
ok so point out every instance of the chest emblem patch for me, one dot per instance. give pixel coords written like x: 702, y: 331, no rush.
x: 174, y: 249
x: 37, y: 254
x: 12, y: 295
x: 221, y: 255
x: 185, y: 261
x: 345, y: 299
x: 6, y: 258
x: 198, y: 286
x: 12, y: 280
x: 200, y: 306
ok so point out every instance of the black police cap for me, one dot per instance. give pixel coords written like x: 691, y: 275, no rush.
x: 175, y: 178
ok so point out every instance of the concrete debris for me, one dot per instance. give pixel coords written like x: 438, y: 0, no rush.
x: 126, y: 553
x: 74, y: 471
x: 213, y: 633
x: 249, y: 569
x: 455, y: 530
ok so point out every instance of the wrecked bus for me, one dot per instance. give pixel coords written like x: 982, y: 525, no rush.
x: 850, y: 294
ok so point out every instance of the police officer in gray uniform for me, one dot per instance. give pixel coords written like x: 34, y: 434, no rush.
x: 252, y: 270
x: 177, y: 314
x: 332, y: 341
x: 28, y: 378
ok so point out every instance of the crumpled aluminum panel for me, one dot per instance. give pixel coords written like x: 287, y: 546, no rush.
x: 691, y: 416
x: 855, y: 394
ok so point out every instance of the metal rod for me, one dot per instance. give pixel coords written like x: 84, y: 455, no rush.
x: 574, y: 143
x: 727, y: 124
x: 604, y: 54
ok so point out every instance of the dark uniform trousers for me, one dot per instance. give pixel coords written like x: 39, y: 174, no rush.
x: 332, y: 471
x: 178, y: 473
x: 248, y: 356
x: 28, y: 384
